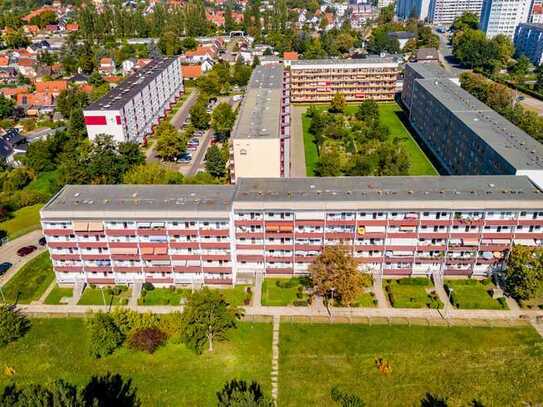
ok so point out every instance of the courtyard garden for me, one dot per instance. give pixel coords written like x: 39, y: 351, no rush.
x: 118, y: 295
x: 412, y: 293
x: 366, y: 300
x: 30, y: 282
x: 355, y: 142
x: 473, y: 294
x: 285, y: 291
x: 239, y: 295
x: 58, y: 294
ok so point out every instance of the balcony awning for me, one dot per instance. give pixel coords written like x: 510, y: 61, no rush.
x: 96, y: 226
x: 470, y: 242
x: 81, y: 226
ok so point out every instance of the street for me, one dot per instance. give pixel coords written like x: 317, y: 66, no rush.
x: 450, y: 63
x: 8, y: 253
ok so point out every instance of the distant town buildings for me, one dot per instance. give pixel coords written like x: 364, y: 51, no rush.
x: 529, y: 41
x: 260, y: 140
x: 357, y: 79
x: 438, y: 12
x: 130, y: 110
x: 503, y: 16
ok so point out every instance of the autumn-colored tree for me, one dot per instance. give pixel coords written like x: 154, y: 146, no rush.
x: 338, y: 103
x: 335, y: 275
x: 524, y: 272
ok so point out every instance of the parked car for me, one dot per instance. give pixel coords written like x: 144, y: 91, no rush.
x: 236, y: 98
x: 199, y: 133
x: 194, y: 140
x: 192, y: 147
x: 26, y: 250
x: 42, y: 241
x: 185, y: 158
x: 4, y: 267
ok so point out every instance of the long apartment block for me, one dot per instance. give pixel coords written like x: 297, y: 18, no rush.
x: 260, y: 145
x: 358, y: 79
x: 186, y: 234
x: 465, y: 136
x: 131, y: 110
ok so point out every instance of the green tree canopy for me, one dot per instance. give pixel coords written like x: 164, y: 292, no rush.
x: 524, y: 272
x: 170, y: 142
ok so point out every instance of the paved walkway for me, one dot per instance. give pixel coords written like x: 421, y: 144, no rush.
x: 441, y: 293
x: 297, y: 153
x: 257, y: 290
x: 8, y: 253
x: 382, y: 300
x: 275, y: 358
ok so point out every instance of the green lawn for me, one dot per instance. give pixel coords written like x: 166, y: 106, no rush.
x: 274, y: 295
x: 411, y: 293
x: 390, y: 116
x: 236, y: 295
x: 365, y: 300
x: 498, y: 366
x: 31, y: 280
x: 57, y: 294
x: 163, y: 296
x: 473, y: 294
x: 172, y: 376
x: 45, y: 183
x: 96, y: 296
x: 24, y: 220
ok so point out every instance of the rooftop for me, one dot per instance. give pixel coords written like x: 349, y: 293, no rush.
x: 359, y: 61
x: 117, y: 97
x: 514, y: 145
x: 260, y: 110
x: 430, y: 70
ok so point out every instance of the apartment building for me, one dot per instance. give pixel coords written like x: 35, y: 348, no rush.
x: 418, y: 9
x: 465, y: 136
x: 503, y: 16
x: 260, y: 140
x: 358, y: 79
x: 187, y: 234
x: 529, y: 41
x: 443, y: 12
x: 129, y: 111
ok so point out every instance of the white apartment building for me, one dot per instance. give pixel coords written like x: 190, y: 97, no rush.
x: 261, y: 136
x: 443, y: 12
x: 503, y: 16
x: 129, y: 111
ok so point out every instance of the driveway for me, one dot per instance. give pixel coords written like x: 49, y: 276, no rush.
x: 8, y: 253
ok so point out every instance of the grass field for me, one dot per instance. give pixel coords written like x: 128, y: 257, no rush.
x: 24, y: 220
x: 390, y: 116
x: 96, y: 296
x: 57, y: 294
x: 410, y: 293
x: 173, y: 376
x: 274, y: 295
x: 365, y: 300
x: 498, y: 366
x: 31, y: 281
x: 473, y: 294
x: 45, y: 183
x: 163, y: 296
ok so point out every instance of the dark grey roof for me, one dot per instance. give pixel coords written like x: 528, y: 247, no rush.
x: 429, y: 71
x: 426, y: 188
x: 117, y: 97
x: 427, y: 54
x: 260, y: 111
x: 142, y: 198
x: 361, y: 61
x: 401, y: 35
x: 514, y: 145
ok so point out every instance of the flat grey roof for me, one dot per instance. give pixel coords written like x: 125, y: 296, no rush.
x: 426, y: 188
x: 330, y: 61
x: 118, y: 97
x: 137, y: 198
x: 514, y: 145
x: 260, y: 110
x: 430, y: 70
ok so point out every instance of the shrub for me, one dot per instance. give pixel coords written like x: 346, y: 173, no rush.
x: 116, y: 290
x: 503, y: 302
x: 13, y: 324
x: 105, y: 335
x: 148, y: 286
x: 146, y: 339
x: 171, y: 325
x: 300, y: 303
x: 291, y: 282
x: 242, y: 393
x: 486, y: 281
x: 128, y: 320
x: 93, y: 286
x: 172, y: 288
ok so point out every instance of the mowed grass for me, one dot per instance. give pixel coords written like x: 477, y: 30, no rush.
x: 409, y: 293
x: 498, y: 366
x: 172, y: 376
x: 390, y: 117
x: 24, y: 220
x: 473, y: 294
x: 45, y: 182
x: 365, y: 300
x: 104, y: 296
x: 31, y: 281
x: 163, y: 296
x: 57, y: 294
x: 274, y: 295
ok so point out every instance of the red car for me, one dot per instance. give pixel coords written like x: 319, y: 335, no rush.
x: 26, y: 250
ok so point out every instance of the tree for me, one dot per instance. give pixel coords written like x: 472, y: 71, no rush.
x: 368, y: 111
x: 70, y: 99
x: 222, y: 119
x: 242, y: 73
x: 7, y: 107
x: 538, y: 86
x: 199, y: 117
x: 524, y: 272
x: 521, y: 67
x: 110, y: 390
x: 170, y: 44
x: 505, y: 48
x: 13, y: 324
x: 240, y: 393
x: 467, y: 20
x: 16, y: 39
x: 335, y: 275
x: 206, y: 318
x: 17, y: 179
x: 338, y: 103
x: 328, y: 164
x: 146, y: 339
x: 105, y: 335
x: 59, y: 394
x: 152, y: 174
x: 345, y: 399
x: 432, y: 400
x: 215, y: 162
x: 170, y: 142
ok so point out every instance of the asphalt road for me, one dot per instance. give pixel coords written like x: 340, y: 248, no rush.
x: 8, y: 253
x: 448, y: 60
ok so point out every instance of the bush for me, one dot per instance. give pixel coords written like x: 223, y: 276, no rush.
x: 105, y: 335
x: 128, y: 320
x: 13, y: 324
x: 300, y: 303
x: 116, y: 290
x: 503, y: 302
x: 146, y: 339
x: 171, y: 325
x: 486, y: 281
x: 148, y: 286
x: 290, y: 283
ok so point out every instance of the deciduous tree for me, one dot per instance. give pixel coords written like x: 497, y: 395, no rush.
x: 524, y: 272
x: 240, y: 393
x: 152, y: 174
x: 338, y: 103
x: 170, y: 142
x: 222, y: 119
